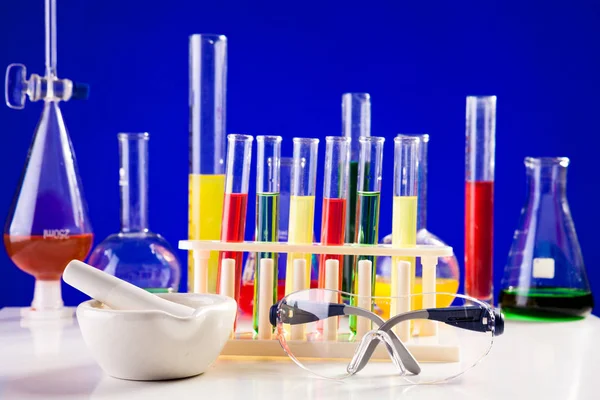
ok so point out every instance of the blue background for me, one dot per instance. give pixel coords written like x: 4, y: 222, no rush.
x: 289, y: 64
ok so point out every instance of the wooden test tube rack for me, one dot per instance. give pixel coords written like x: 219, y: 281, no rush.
x: 266, y: 345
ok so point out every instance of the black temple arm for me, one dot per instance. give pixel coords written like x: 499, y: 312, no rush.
x: 303, y: 312
x: 473, y: 318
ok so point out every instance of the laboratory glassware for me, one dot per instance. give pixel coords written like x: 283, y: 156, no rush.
x: 235, y: 203
x: 447, y: 270
x: 335, y: 194
x: 356, y: 122
x: 545, y: 275
x: 247, y: 290
x: 465, y: 335
x: 267, y: 209
x: 136, y: 254
x: 479, y: 196
x: 370, y: 169
x: 207, y: 103
x: 48, y: 223
x: 404, y: 214
x: 302, y: 203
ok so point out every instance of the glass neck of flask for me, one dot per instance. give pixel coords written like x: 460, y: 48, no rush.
x: 133, y: 180
x: 547, y: 176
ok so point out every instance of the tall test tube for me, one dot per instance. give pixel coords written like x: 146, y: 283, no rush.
x: 285, y: 190
x: 233, y: 224
x: 356, y: 123
x: 267, y: 209
x: 207, y: 98
x: 479, y: 196
x: 367, y: 205
x: 302, y: 204
x: 335, y: 193
x: 404, y: 215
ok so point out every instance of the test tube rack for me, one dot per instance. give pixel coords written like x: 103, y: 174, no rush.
x: 244, y: 342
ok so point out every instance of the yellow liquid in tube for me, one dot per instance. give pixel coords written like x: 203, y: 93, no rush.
x: 206, y: 193
x: 404, y: 231
x: 300, y: 230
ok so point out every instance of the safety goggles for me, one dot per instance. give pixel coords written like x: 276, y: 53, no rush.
x: 335, y: 338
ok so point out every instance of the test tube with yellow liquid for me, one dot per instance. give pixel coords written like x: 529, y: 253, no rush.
x: 302, y: 205
x: 404, y: 225
x: 447, y: 270
x: 207, y: 99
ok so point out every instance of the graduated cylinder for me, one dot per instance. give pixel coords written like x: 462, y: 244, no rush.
x: 479, y: 196
x: 207, y: 98
x: 356, y: 123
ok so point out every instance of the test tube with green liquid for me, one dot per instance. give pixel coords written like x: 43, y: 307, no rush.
x: 370, y: 167
x: 356, y: 123
x: 267, y: 209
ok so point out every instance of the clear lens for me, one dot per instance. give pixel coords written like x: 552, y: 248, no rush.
x: 313, y: 328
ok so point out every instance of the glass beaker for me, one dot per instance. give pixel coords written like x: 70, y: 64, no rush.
x: 136, y: 254
x: 448, y: 272
x: 47, y: 224
x: 207, y: 103
x: 545, y: 276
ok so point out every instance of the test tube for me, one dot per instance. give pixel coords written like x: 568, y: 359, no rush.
x: 404, y: 214
x: 335, y: 193
x: 285, y: 174
x: 267, y: 210
x: 302, y: 204
x: 479, y: 196
x: 367, y: 204
x: 356, y: 123
x: 404, y: 224
x: 239, y: 155
x: 207, y: 98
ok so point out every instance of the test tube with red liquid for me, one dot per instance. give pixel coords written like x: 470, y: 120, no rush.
x: 233, y: 223
x: 479, y: 196
x: 335, y: 194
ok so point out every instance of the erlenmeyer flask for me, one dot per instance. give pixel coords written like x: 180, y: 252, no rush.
x: 447, y: 269
x: 48, y: 223
x: 136, y: 254
x: 545, y: 276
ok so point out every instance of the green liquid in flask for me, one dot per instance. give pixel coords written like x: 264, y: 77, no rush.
x: 546, y: 304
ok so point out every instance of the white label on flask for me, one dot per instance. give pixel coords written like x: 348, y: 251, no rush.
x: 56, y: 233
x: 543, y: 268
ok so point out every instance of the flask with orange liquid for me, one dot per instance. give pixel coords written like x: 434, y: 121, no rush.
x: 48, y: 223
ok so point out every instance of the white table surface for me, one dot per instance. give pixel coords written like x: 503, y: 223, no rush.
x: 530, y: 361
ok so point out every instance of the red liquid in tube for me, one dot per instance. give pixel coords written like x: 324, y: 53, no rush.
x: 479, y: 239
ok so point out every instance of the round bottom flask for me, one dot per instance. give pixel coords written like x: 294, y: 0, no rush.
x: 136, y: 254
